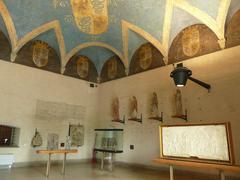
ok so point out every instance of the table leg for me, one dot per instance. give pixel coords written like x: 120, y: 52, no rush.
x: 102, y: 160
x: 64, y: 163
x: 222, y: 176
x: 111, y: 161
x: 48, y: 165
x: 171, y: 172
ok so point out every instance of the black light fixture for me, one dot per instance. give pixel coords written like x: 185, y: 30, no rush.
x: 181, y: 74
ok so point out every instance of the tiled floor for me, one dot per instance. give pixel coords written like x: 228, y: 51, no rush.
x: 87, y: 171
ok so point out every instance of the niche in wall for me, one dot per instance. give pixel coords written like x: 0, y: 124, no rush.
x: 9, y: 136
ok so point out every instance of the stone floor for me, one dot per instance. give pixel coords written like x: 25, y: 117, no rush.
x: 86, y: 171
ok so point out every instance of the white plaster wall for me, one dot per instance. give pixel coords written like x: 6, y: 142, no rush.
x: 220, y: 69
x: 21, y: 87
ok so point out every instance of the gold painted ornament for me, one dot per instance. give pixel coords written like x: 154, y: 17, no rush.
x: 91, y: 16
x: 82, y: 66
x: 40, y: 53
x: 191, y: 41
x: 145, y: 56
x: 112, y: 68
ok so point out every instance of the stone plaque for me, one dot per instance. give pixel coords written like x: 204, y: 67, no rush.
x: 202, y: 143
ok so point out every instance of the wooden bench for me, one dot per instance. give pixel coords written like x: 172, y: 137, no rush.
x: 198, y: 165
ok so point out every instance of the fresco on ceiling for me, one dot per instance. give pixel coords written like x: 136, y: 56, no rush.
x: 193, y: 41
x: 91, y: 16
x: 146, y: 57
x: 40, y: 55
x: 210, y: 7
x: 90, y: 21
x: 98, y: 55
x: 81, y: 67
x: 112, y: 69
x: 233, y: 31
x: 5, y: 47
x: 134, y: 42
x: 27, y: 16
x: 50, y: 38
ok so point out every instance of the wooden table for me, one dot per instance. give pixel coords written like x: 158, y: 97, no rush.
x: 58, y: 151
x: 220, y: 167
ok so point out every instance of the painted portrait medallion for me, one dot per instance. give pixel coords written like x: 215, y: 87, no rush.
x: 91, y: 16
x: 82, y: 66
x: 112, y: 68
x: 191, y: 41
x: 40, y: 53
x: 145, y: 56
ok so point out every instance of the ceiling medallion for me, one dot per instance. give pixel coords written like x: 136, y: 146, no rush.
x: 91, y: 16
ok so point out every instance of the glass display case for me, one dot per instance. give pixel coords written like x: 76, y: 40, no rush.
x: 109, y: 140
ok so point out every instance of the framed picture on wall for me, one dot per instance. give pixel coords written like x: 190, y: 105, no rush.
x: 76, y: 132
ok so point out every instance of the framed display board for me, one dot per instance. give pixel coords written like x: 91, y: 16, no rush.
x: 210, y: 143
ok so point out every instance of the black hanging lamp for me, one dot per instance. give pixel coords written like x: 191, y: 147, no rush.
x: 181, y: 74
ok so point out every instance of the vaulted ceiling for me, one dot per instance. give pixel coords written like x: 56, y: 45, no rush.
x: 102, y: 29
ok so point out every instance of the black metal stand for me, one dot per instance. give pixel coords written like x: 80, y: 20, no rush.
x: 120, y: 121
x: 157, y: 118
x: 136, y: 119
x: 182, y: 116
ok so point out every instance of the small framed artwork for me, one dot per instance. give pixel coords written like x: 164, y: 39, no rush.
x: 76, y: 132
